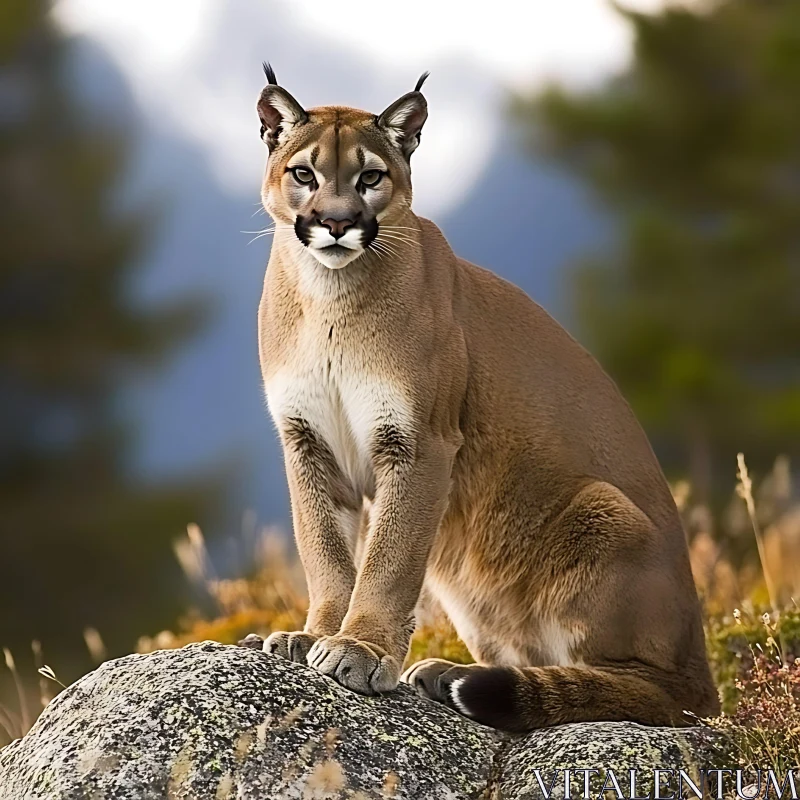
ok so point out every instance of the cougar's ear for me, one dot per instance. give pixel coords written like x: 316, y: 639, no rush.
x: 404, y: 118
x: 278, y: 111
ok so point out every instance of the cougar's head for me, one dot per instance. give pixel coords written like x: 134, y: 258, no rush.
x: 337, y: 174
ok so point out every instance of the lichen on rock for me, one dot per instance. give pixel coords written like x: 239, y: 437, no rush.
x: 213, y: 721
x: 221, y: 722
x: 600, y: 748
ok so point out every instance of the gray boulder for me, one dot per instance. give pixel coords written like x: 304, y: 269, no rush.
x: 217, y: 722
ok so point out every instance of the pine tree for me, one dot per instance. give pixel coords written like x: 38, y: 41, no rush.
x: 695, y: 150
x: 82, y: 541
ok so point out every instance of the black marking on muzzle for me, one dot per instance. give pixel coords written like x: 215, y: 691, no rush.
x: 302, y: 228
x: 369, y: 229
x: 304, y: 225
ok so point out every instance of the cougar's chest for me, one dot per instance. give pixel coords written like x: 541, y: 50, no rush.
x: 331, y: 382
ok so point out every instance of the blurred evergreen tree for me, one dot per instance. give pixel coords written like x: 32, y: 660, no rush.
x: 82, y: 541
x: 696, y: 150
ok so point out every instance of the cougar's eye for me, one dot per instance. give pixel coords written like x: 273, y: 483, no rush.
x: 371, y: 178
x: 303, y: 175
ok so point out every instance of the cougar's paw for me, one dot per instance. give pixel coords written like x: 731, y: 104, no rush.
x: 360, y: 666
x: 294, y: 645
x: 252, y: 641
x: 437, y: 679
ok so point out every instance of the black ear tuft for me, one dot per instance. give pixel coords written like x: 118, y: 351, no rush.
x: 422, y: 79
x: 270, y: 73
x: 278, y: 111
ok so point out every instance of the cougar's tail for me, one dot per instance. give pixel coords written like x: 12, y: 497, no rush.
x: 519, y: 700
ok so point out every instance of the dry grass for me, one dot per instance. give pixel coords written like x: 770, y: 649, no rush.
x: 17, y: 716
x: 768, y: 513
x: 753, y: 621
x: 272, y: 599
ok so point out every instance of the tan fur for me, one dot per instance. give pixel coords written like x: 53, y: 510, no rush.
x: 499, y: 463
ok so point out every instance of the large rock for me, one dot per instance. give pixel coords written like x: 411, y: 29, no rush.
x: 210, y: 721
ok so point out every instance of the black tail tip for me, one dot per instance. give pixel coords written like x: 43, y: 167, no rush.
x: 270, y: 73
x: 491, y: 696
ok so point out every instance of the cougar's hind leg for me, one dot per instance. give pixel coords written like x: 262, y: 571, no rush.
x: 637, y: 655
x: 624, y: 587
x: 431, y: 678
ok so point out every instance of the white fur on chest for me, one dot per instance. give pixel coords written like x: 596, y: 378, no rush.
x: 343, y: 403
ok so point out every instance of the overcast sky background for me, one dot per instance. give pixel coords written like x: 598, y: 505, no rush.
x: 164, y: 46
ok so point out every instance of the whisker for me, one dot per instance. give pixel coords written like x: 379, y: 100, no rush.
x: 260, y: 236
x: 263, y: 230
x: 403, y: 237
x: 380, y: 248
x: 389, y: 250
x: 400, y: 240
x: 389, y: 246
x: 395, y: 231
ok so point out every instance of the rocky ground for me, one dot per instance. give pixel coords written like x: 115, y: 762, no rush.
x: 214, y: 721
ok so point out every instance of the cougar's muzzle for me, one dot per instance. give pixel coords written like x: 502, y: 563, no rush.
x: 335, y: 239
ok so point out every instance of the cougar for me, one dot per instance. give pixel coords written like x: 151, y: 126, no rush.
x: 492, y: 460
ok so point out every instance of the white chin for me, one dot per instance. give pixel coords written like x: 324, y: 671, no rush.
x: 334, y: 258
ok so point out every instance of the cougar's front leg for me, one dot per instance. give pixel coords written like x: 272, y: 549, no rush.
x: 412, y: 483
x: 325, y: 515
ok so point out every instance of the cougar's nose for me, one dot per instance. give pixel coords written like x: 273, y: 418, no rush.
x: 337, y: 227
